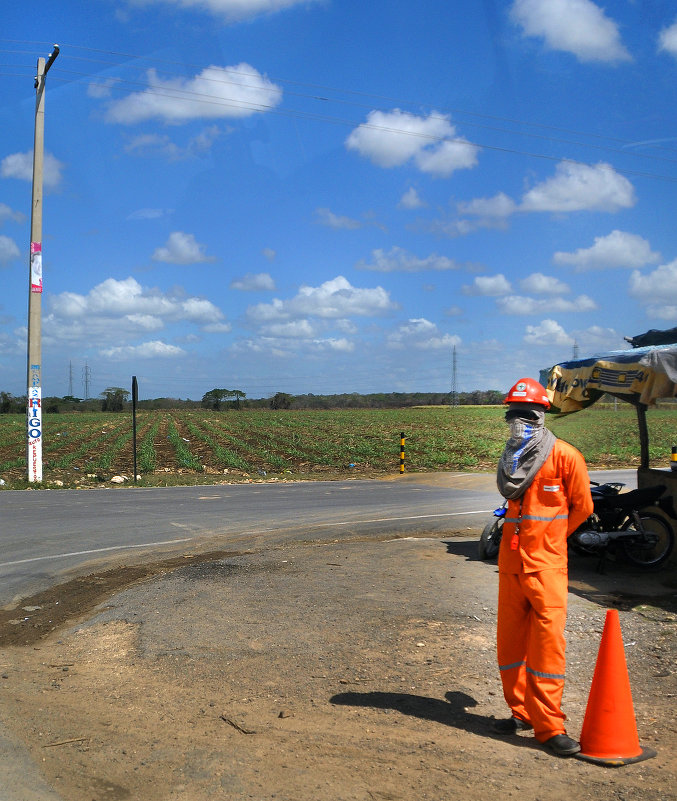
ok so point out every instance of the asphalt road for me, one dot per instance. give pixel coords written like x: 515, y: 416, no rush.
x: 45, y: 533
x: 48, y: 535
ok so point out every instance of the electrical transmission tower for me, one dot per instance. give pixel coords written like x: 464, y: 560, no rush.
x: 454, y: 388
x: 86, y: 378
x: 575, y: 349
x: 70, y: 379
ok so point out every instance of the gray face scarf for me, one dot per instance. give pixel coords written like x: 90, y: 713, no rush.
x: 527, y: 449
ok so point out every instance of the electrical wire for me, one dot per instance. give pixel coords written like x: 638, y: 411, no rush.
x: 183, y: 94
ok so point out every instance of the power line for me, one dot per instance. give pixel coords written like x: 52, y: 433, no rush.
x: 198, y: 97
x: 361, y: 94
x: 188, y: 96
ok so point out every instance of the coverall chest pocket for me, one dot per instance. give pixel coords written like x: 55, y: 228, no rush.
x: 550, y: 492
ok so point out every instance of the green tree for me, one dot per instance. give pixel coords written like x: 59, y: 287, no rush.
x: 239, y: 395
x: 215, y: 398
x: 281, y: 400
x: 114, y: 399
x: 7, y: 402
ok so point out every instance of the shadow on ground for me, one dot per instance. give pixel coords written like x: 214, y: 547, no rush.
x: 454, y: 711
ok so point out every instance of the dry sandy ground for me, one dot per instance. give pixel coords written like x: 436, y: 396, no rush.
x: 337, y: 670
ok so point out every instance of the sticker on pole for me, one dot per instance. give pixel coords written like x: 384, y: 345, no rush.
x: 34, y: 434
x: 36, y: 267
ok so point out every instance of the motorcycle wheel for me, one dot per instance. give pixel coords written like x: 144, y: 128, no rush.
x: 490, y: 540
x: 652, y: 549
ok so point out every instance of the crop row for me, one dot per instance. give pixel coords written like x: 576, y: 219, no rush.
x: 306, y: 442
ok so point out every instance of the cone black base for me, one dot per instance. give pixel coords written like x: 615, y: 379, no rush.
x: 617, y: 762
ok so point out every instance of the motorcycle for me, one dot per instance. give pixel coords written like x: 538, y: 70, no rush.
x: 621, y: 523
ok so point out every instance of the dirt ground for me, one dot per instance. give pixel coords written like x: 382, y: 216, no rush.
x: 317, y: 670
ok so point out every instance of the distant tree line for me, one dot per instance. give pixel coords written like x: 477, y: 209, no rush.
x: 117, y: 399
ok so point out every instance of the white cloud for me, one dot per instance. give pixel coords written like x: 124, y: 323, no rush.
x: 519, y: 305
x: 6, y: 213
x: 617, y: 249
x: 291, y: 347
x: 337, y: 344
x: 399, y: 260
x: 269, y: 254
x: 657, y: 290
x: 146, y: 350
x: 498, y: 206
x: 162, y: 146
x: 153, y: 145
x: 667, y: 40
x: 421, y: 334
x: 335, y: 299
x: 331, y: 220
x: 253, y: 282
x: 230, y: 10
x: 488, y: 286
x: 8, y: 250
x: 132, y: 307
x: 391, y: 139
x: 663, y: 312
x: 181, y: 248
x: 540, y: 284
x: 101, y: 88
x: 149, y: 214
x: 292, y: 329
x: 597, y: 338
x: 217, y: 92
x: 573, y: 187
x: 20, y: 165
x: 579, y: 27
x: 548, y: 332
x: 217, y: 328
x: 146, y: 322
x: 411, y: 200
x: 579, y: 187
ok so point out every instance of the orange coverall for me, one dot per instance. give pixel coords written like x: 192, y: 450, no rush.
x: 533, y: 586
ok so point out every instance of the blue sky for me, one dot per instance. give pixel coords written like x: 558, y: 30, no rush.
x: 330, y: 196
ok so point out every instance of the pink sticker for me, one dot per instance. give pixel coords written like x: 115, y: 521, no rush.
x: 36, y: 266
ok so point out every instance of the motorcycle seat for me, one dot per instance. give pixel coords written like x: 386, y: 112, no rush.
x: 635, y: 499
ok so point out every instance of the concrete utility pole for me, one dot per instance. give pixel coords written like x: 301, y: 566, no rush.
x: 34, y: 378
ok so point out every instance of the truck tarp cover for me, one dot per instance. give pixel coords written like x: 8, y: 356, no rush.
x: 638, y: 375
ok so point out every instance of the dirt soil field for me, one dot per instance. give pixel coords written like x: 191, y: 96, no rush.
x: 324, y: 670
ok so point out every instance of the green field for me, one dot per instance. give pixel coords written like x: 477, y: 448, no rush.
x: 199, y: 446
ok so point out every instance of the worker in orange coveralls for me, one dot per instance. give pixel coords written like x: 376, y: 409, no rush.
x: 546, y: 483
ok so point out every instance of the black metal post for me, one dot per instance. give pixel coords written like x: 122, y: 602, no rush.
x: 135, y: 392
x: 643, y: 435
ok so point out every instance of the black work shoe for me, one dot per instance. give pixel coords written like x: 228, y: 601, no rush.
x: 562, y: 745
x: 511, y: 726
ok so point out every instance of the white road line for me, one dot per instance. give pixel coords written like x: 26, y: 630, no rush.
x: 373, y: 520
x: 258, y: 531
x: 93, y: 550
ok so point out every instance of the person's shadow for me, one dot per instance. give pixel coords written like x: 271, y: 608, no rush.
x: 452, y: 712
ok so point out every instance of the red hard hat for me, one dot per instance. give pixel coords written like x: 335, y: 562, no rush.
x: 526, y: 390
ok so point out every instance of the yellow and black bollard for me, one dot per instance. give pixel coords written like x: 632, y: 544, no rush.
x: 673, y: 459
x: 402, y: 453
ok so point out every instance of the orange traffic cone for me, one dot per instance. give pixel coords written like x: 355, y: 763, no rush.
x: 609, y: 734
